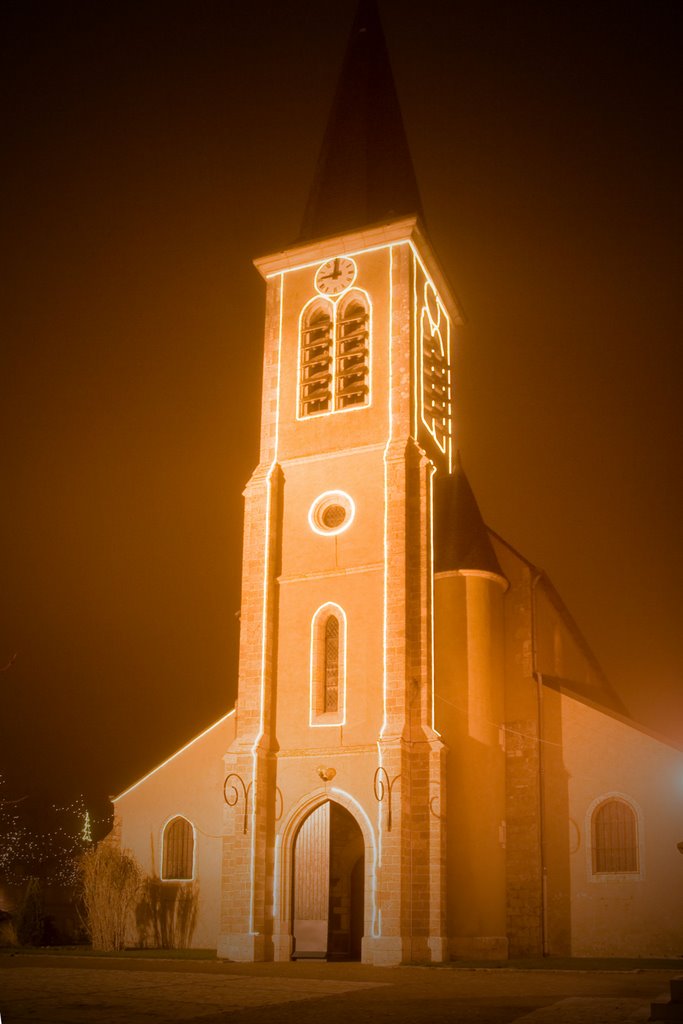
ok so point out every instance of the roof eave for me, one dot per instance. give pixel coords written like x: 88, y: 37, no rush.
x: 371, y: 236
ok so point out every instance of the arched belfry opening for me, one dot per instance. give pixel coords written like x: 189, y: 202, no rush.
x: 328, y: 885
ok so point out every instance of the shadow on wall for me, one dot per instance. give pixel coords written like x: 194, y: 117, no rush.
x: 166, y: 915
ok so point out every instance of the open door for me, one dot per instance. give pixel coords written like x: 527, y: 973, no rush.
x: 312, y: 884
x: 329, y: 884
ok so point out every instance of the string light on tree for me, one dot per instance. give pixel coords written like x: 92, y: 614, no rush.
x: 86, y: 834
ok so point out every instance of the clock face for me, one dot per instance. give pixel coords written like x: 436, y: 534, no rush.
x: 335, y: 276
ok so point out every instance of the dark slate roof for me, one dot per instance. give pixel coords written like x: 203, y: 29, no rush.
x: 594, y: 689
x: 602, y: 694
x: 365, y: 173
x: 461, y: 539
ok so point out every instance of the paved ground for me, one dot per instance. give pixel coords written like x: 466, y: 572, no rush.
x: 84, y: 990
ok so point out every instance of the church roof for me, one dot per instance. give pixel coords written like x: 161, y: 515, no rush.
x: 364, y: 173
x: 589, y: 685
x: 461, y: 538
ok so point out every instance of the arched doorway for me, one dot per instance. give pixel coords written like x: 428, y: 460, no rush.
x: 328, y: 885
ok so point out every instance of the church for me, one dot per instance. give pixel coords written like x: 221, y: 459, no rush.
x: 425, y: 761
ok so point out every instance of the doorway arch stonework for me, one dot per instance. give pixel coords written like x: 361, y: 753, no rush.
x: 285, y: 841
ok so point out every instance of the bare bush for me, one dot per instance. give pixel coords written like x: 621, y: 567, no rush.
x: 8, y: 933
x: 110, y: 884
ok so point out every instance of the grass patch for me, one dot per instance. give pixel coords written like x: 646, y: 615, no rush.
x: 123, y: 954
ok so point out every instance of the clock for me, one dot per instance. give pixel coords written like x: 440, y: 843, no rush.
x: 335, y: 276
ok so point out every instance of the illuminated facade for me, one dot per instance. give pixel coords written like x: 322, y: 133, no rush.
x: 425, y: 760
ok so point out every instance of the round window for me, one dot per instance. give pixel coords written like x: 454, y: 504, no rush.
x: 333, y: 516
x: 331, y: 513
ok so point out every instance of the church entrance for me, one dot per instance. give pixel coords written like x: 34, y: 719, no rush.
x: 329, y: 883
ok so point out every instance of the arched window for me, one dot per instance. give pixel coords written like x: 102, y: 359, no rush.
x: 328, y: 666
x: 334, y: 355
x: 331, y: 667
x: 315, y: 393
x: 351, y: 350
x: 177, y: 862
x: 435, y: 387
x: 614, y: 834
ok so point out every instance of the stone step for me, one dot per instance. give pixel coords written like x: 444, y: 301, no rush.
x: 671, y: 1009
x: 666, y: 1011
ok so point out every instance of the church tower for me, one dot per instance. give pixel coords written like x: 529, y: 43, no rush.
x: 425, y: 761
x: 334, y: 824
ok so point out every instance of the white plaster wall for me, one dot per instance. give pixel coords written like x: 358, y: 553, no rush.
x: 189, y: 783
x: 624, y: 916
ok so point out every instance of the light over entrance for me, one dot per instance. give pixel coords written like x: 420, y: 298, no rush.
x: 329, y: 877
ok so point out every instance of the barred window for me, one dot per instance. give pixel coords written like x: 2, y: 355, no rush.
x: 316, y: 361
x: 614, y: 838
x: 351, y: 354
x: 331, y: 680
x: 178, y: 850
x: 334, y: 356
x: 435, y: 394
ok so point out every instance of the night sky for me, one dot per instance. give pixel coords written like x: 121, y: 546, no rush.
x: 151, y: 151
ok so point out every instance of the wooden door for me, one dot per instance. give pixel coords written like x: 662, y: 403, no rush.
x: 312, y: 884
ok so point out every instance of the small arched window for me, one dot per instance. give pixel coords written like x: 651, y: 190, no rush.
x: 435, y: 385
x: 351, y: 349
x: 315, y: 392
x: 331, y: 668
x: 328, y: 666
x: 614, y: 834
x: 177, y: 862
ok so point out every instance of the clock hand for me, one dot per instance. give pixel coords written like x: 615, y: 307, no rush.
x: 330, y: 277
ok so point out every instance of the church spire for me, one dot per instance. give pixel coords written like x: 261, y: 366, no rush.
x: 364, y: 173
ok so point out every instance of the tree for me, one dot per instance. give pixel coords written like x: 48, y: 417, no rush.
x: 31, y: 919
x: 16, y: 846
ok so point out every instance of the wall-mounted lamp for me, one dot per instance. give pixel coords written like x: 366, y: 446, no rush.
x: 382, y: 787
x: 231, y: 795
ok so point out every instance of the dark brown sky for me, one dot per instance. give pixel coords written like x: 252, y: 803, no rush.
x: 151, y: 151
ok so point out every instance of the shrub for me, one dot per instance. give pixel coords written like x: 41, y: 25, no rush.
x: 110, y: 884
x: 8, y: 933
